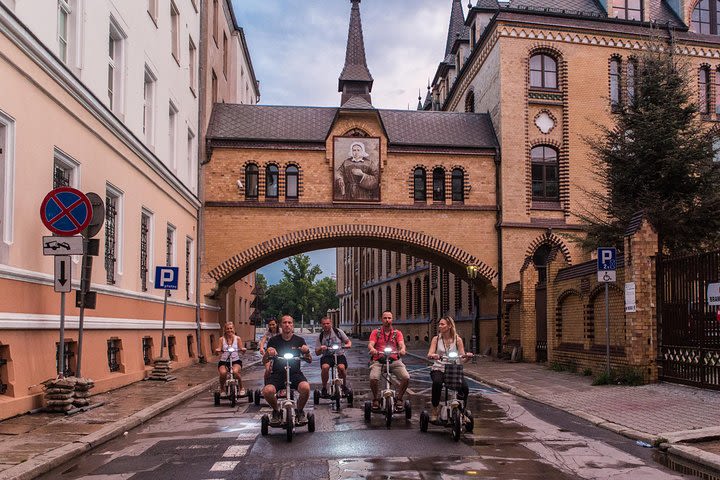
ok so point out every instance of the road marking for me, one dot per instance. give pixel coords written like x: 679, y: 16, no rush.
x: 247, y: 436
x: 224, y: 466
x: 236, y: 451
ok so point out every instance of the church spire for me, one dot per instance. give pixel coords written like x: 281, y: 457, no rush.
x: 355, y: 79
x: 457, y: 25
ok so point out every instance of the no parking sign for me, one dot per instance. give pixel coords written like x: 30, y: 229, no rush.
x: 65, y: 211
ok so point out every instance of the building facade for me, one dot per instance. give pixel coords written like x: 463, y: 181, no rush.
x: 102, y: 96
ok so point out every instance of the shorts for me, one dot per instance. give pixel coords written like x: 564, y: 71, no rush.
x: 225, y: 364
x: 277, y: 379
x: 330, y: 360
x: 397, y: 368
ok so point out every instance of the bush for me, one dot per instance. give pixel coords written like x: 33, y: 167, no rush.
x: 624, y: 376
x: 587, y: 372
x: 570, y: 366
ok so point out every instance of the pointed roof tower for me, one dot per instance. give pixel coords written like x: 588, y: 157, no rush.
x: 457, y: 26
x: 355, y: 79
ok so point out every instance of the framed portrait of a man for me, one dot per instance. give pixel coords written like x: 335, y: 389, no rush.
x: 356, y: 173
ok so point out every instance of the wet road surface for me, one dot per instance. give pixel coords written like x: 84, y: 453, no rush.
x: 513, y: 439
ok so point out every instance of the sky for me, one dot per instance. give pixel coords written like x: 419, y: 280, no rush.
x: 298, y: 51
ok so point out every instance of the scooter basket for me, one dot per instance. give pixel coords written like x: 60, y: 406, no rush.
x: 453, y: 375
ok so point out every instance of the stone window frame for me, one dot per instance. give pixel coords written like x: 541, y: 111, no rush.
x: 267, y: 170
x: 287, y: 175
x: 247, y: 173
x: 626, y: 10
x: 464, y: 187
x: 705, y: 89
x: 470, y: 101
x: 418, y: 172
x: 615, y: 80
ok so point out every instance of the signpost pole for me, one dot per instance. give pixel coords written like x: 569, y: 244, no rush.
x: 61, y: 348
x: 607, y: 327
x: 162, y: 336
x: 84, y: 285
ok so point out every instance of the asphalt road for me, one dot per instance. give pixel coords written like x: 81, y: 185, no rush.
x: 512, y: 439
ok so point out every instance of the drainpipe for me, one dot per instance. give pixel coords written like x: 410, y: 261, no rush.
x: 202, y: 87
x: 498, y: 227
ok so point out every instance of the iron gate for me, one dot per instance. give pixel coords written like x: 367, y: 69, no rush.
x: 689, y: 332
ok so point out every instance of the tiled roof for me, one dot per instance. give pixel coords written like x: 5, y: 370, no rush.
x: 585, y: 6
x: 232, y: 122
x: 357, y: 102
x: 456, y: 27
x: 256, y: 122
x: 355, y: 63
x: 442, y: 129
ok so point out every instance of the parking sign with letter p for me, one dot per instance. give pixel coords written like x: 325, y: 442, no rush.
x: 166, y: 278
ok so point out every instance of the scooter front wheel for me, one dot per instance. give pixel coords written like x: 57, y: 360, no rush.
x: 408, y: 409
x: 264, y: 424
x: 311, y: 422
x: 233, y: 399
x: 424, y: 421
x: 216, y: 398
x: 316, y: 397
x: 469, y: 422
x: 258, y: 394
x: 456, y: 425
x: 350, y: 398
x: 289, y: 428
x: 388, y: 412
x: 367, y: 411
x: 338, y: 396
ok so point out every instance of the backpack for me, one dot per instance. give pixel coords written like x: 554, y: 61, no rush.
x: 337, y: 334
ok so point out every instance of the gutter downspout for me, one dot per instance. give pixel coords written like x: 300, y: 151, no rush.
x: 498, y: 227
x: 202, y: 130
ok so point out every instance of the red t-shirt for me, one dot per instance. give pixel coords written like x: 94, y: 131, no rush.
x: 392, y: 339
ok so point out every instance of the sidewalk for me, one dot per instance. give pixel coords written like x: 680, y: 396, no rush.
x: 685, y: 419
x: 34, y: 444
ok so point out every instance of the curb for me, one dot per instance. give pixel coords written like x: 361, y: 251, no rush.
x: 40, y: 464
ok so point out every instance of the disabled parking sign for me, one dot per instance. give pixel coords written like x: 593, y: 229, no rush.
x: 65, y: 211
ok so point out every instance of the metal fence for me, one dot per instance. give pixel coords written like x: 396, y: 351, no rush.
x: 689, y: 332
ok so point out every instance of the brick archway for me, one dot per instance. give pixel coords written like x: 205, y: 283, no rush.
x: 391, y: 238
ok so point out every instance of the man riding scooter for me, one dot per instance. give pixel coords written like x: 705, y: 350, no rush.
x: 330, y: 336
x: 387, y: 336
x: 279, y: 345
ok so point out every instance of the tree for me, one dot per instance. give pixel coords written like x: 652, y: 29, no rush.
x: 298, y: 294
x: 657, y: 158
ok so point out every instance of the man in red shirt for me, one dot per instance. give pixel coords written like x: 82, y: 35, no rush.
x: 387, y: 336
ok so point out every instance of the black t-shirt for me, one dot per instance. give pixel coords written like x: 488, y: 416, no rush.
x: 284, y: 346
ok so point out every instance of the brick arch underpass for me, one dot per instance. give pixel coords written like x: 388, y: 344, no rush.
x: 437, y: 251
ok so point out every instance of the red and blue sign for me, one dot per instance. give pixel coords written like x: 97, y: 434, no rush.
x: 66, y: 211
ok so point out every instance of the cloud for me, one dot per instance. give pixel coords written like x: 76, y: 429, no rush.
x: 298, y: 52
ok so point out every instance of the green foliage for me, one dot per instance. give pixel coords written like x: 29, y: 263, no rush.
x: 659, y: 441
x: 569, y: 366
x: 658, y: 158
x: 629, y: 376
x: 299, y: 294
x: 587, y: 372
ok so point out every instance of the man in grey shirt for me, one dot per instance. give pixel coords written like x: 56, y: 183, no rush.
x: 330, y: 336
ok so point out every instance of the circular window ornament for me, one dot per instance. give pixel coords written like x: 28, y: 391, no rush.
x: 544, y: 122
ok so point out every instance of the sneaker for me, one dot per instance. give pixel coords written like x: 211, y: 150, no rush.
x: 399, y: 408
x: 301, y: 417
x: 242, y: 392
x: 434, y: 415
x: 276, y: 419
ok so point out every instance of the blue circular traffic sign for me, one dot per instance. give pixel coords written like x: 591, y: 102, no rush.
x: 65, y: 211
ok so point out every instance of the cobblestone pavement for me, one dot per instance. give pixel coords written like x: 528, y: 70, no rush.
x: 29, y: 437
x: 651, y: 411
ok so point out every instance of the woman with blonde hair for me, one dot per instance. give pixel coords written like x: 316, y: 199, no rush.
x: 446, y: 341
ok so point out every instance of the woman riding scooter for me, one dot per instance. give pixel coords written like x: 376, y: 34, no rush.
x: 230, y: 359
x: 445, y: 342
x: 272, y: 330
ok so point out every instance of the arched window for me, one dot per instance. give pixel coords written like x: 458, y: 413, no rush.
x: 379, y: 263
x: 418, y: 298
x: 419, y: 185
x: 458, y: 185
x: 398, y: 299
x: 408, y: 299
x: 271, y: 181
x: 379, y: 304
x: 438, y: 184
x: 627, y: 9
x: 717, y: 90
x: 251, y: 181
x: 704, y: 90
x: 706, y: 17
x: 631, y: 80
x: 545, y: 185
x: 291, y: 182
x: 388, y: 263
x: 615, y: 83
x: 388, y: 299
x: 371, y: 310
x: 543, y: 71
x: 470, y: 102
x: 540, y: 259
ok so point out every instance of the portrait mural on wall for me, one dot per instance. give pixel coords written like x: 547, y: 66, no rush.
x: 357, y: 169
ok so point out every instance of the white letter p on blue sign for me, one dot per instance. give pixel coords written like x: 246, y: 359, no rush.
x: 166, y: 278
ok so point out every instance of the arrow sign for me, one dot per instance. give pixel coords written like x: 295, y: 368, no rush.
x: 63, y: 270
